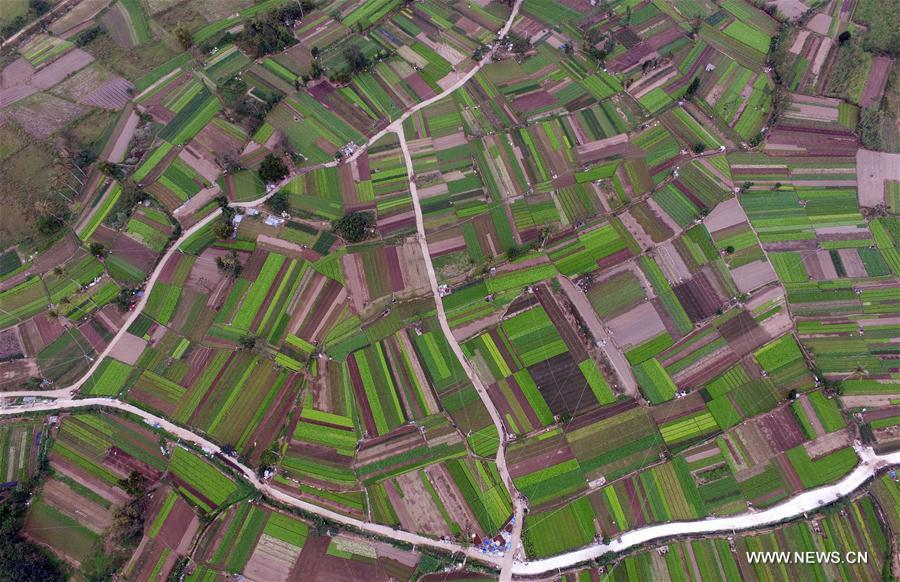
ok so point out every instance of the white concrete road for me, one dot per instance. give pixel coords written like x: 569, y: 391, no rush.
x: 187, y: 436
x: 795, y: 507
x: 792, y: 508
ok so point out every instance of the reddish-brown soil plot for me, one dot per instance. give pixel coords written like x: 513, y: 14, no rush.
x: 699, y: 298
x: 134, y: 253
x: 781, y: 429
x: 562, y: 384
x: 38, y: 332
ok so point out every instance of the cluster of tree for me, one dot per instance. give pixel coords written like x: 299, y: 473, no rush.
x: 98, y: 250
x: 691, y: 89
x: 278, y: 202
x: 20, y: 559
x: 36, y: 9
x: 52, y: 215
x: 272, y: 32
x: 224, y: 228
x: 594, y: 37
x: 184, y: 36
x: 354, y: 226
x: 272, y: 169
x: 230, y: 265
x: 87, y: 36
x: 234, y: 95
x: 131, y: 195
x: 356, y: 59
x: 519, y: 45
x: 649, y: 64
x: 316, y: 69
x: 518, y: 251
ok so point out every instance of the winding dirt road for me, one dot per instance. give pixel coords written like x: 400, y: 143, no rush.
x: 518, y: 506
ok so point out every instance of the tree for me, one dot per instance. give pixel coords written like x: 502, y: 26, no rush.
x: 98, y: 250
x: 355, y: 58
x: 692, y: 89
x: 247, y: 342
x: 86, y: 37
x: 278, y: 202
x: 184, y: 36
x: 844, y: 37
x: 230, y: 265
x: 314, y: 51
x: 316, y: 70
x: 51, y: 216
x: 222, y: 229
x: 272, y: 169
x: 699, y: 147
x: 520, y: 44
x: 124, y: 299
x: 111, y: 170
x: 39, y: 7
x: 354, y: 226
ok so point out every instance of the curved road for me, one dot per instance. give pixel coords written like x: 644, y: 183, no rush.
x: 249, y: 474
x: 794, y: 507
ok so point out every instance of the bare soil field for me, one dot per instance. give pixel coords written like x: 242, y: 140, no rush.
x: 424, y: 513
x: 819, y: 23
x: 272, y: 559
x: 65, y: 467
x: 38, y: 332
x: 453, y: 499
x: 828, y: 443
x: 43, y: 114
x: 14, y: 374
x: 117, y: 146
x: 9, y: 344
x: 790, y: 8
x: 83, y: 11
x: 20, y: 79
x: 753, y: 275
x: 872, y: 169
x: 90, y: 514
x: 637, y: 325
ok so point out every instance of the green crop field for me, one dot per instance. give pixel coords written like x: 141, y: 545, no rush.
x: 635, y: 261
x: 201, y: 477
